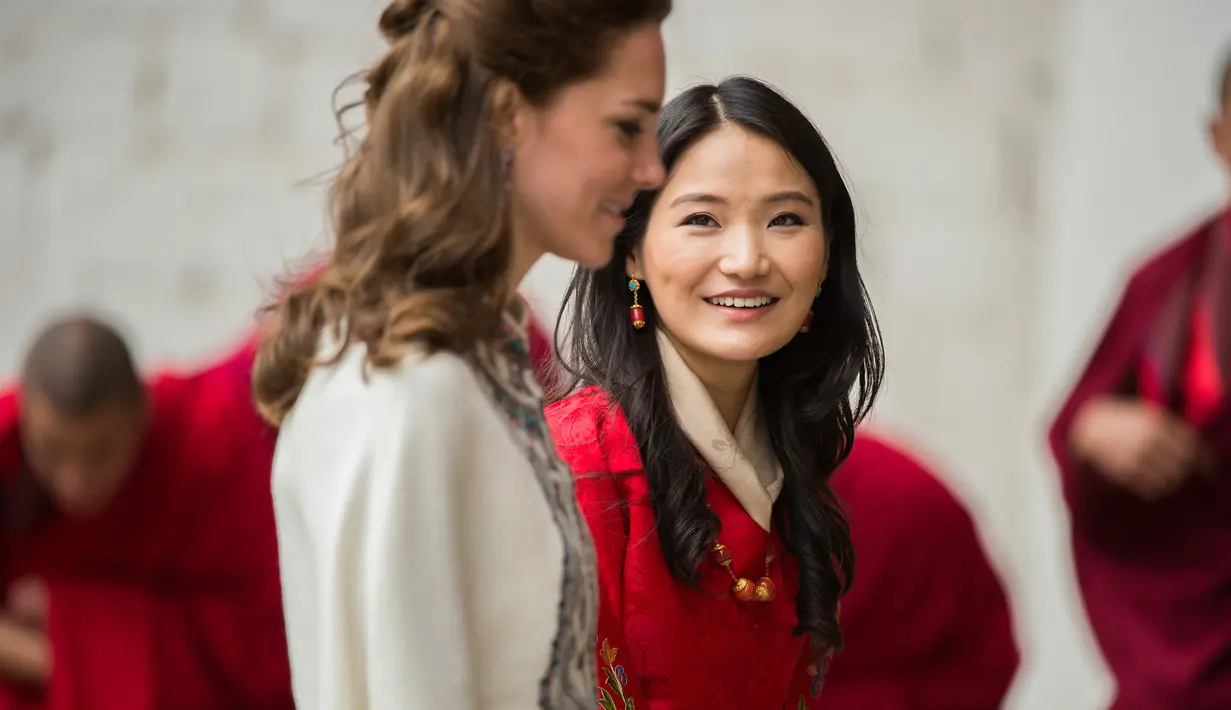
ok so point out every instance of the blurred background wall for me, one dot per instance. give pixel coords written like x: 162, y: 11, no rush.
x: 1010, y: 160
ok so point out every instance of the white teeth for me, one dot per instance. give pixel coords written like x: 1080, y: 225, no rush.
x: 732, y: 302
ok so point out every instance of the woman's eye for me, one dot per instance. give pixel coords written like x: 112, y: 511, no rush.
x: 700, y: 220
x: 630, y: 129
x: 787, y: 219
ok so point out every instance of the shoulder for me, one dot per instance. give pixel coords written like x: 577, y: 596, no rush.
x: 440, y: 387
x: 579, y: 418
x: 360, y: 423
x: 593, y: 439
x: 591, y: 434
x: 1160, y: 268
x: 427, y: 381
x: 881, y: 479
x: 215, y: 398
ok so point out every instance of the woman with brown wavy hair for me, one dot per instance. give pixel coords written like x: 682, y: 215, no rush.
x: 432, y: 552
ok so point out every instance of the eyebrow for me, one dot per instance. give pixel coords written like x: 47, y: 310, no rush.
x: 788, y: 196
x: 647, y: 105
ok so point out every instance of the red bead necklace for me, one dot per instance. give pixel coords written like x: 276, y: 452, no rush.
x: 742, y: 588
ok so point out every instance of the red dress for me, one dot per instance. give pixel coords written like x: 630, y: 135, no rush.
x: 169, y: 598
x: 662, y: 644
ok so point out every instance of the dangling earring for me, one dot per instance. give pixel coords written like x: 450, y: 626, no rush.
x: 506, y: 159
x: 636, y: 313
x: 807, y: 326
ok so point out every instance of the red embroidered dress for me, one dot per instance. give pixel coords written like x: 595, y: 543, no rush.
x: 663, y: 644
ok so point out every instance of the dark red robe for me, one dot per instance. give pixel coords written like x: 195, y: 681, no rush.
x: 927, y: 623
x: 1156, y: 578
x: 170, y: 598
x: 661, y: 643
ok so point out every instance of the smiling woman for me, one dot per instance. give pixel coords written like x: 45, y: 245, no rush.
x: 737, y: 255
x: 703, y: 441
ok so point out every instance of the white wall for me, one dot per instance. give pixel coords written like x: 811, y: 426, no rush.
x: 1009, y: 159
x: 1131, y: 166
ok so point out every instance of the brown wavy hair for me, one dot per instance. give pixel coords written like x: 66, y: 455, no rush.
x: 419, y: 207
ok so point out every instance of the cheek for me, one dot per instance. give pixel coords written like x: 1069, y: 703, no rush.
x: 802, y: 263
x: 572, y: 185
x: 673, y: 272
x: 595, y: 158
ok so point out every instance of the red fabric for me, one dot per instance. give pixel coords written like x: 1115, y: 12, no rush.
x: 170, y: 598
x: 678, y: 647
x: 1155, y: 578
x: 1203, y: 383
x: 927, y: 624
x: 1201, y: 379
x: 541, y: 350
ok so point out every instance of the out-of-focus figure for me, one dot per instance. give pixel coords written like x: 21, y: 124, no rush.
x: 138, y: 551
x: 1144, y: 448
x: 927, y: 623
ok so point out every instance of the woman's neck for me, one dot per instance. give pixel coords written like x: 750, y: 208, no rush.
x: 522, y: 259
x: 524, y: 252
x: 729, y: 384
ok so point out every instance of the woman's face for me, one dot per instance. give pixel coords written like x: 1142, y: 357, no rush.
x: 579, y: 161
x: 734, y: 250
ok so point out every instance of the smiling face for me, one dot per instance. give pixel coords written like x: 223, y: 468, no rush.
x: 734, y: 250
x: 579, y: 161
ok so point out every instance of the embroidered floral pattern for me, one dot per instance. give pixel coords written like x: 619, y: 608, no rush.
x: 612, y: 688
x: 817, y: 671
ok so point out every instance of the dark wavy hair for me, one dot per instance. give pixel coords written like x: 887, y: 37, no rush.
x: 811, y: 393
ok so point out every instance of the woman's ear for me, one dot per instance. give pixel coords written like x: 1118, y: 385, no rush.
x: 509, y: 113
x: 632, y: 266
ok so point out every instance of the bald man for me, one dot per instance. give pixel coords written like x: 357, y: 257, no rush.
x: 138, y: 550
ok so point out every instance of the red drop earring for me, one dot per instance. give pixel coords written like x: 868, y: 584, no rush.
x: 636, y: 313
x: 807, y: 324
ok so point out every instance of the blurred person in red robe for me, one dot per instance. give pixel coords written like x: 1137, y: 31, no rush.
x: 1143, y: 444
x: 927, y: 623
x: 138, y: 554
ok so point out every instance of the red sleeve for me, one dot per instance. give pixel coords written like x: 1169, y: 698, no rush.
x: 1104, y: 374
x: 601, y: 499
x: 117, y: 648
x: 619, y: 687
x: 808, y: 682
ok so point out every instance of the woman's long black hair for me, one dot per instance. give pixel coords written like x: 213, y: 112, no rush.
x: 811, y: 393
